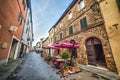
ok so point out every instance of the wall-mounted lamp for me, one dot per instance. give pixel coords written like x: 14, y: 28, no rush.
x: 95, y: 7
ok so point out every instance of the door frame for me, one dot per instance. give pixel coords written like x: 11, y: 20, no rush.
x: 94, y: 49
x: 17, y: 46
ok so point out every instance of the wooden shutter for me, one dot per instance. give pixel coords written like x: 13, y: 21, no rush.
x: 83, y: 23
x: 118, y: 2
x: 60, y: 36
x: 70, y: 30
x: 20, y: 18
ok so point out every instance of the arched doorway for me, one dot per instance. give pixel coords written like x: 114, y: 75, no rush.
x: 95, y: 52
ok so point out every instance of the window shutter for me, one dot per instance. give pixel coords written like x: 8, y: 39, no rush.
x: 70, y: 30
x: 83, y: 23
x: 118, y: 2
x: 20, y: 18
x: 60, y: 36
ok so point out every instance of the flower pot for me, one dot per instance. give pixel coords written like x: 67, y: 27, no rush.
x: 64, y: 72
x: 74, y: 68
x: 49, y: 62
x: 45, y: 56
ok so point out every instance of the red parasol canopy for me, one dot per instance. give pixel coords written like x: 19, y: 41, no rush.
x: 66, y: 45
x: 50, y: 47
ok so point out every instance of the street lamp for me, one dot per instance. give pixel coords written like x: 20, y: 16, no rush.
x: 73, y: 52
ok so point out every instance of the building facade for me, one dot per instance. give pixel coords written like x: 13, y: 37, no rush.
x: 45, y: 43
x: 51, y: 40
x: 39, y: 44
x: 84, y: 23
x: 27, y: 37
x: 12, y: 17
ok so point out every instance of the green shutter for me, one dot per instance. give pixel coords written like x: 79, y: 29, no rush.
x: 60, y: 36
x: 118, y: 2
x: 83, y: 23
x: 20, y: 18
x: 70, y: 30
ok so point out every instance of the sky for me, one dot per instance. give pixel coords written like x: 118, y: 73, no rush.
x: 45, y: 13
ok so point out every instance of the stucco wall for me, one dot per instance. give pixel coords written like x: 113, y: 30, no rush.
x: 9, y: 12
x: 111, y: 15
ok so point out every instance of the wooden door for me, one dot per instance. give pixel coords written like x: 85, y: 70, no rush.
x: 90, y: 52
x: 94, y: 52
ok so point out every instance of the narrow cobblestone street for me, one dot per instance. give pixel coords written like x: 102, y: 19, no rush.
x: 35, y: 68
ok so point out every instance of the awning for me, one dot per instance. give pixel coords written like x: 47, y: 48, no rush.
x: 66, y: 45
x: 50, y: 47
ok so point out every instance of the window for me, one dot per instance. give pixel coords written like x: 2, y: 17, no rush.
x: 20, y: 18
x: 28, y: 22
x: 23, y: 3
x: 83, y: 23
x: 51, y: 40
x: 69, y: 15
x: 55, y: 39
x: 81, y: 4
x: 60, y: 24
x: 26, y: 29
x: 70, y: 30
x: 118, y: 2
x: 55, y: 30
x: 60, y: 36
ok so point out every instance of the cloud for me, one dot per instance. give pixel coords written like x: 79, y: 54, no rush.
x: 45, y: 15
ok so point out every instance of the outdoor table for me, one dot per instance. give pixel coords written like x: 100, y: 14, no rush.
x: 58, y: 57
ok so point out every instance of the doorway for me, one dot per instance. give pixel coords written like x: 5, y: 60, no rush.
x: 13, y: 50
x: 95, y: 52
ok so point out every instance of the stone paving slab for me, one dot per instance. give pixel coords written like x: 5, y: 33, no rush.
x: 6, y: 70
x: 82, y: 75
x: 103, y: 73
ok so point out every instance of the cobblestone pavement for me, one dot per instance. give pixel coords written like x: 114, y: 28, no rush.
x: 35, y: 68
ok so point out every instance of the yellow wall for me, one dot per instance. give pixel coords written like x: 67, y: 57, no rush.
x: 111, y: 15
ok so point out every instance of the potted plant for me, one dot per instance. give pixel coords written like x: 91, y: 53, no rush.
x: 49, y: 60
x: 45, y: 55
x: 74, y: 67
x: 64, y: 70
x: 65, y: 55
